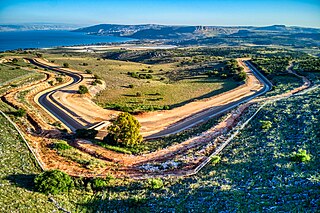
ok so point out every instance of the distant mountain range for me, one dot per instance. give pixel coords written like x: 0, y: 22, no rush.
x: 280, y: 35
x: 153, y: 31
x: 213, y: 35
x: 49, y: 26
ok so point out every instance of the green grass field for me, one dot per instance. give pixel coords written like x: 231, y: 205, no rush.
x: 17, y: 170
x: 158, y: 91
x: 8, y: 73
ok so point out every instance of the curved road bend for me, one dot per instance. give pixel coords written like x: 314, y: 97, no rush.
x: 214, y: 111
x: 46, y: 101
x: 50, y: 104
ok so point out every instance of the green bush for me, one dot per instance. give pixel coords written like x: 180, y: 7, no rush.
x: 20, y: 113
x: 301, y: 156
x: 97, y: 81
x: 65, y: 65
x: 59, y: 79
x: 99, y: 184
x: 83, y: 89
x: 53, y: 182
x: 215, y: 159
x: 155, y: 183
x: 61, y: 146
x: 88, y: 71
x: 265, y: 125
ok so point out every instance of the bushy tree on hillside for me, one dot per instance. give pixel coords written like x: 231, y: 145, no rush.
x: 125, y: 130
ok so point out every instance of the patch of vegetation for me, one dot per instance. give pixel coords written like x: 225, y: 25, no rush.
x: 301, y: 156
x: 53, y: 182
x: 17, y: 170
x: 83, y: 89
x: 124, y: 131
x: 311, y: 64
x: 215, y: 159
x: 155, y: 183
x: 265, y: 125
x: 61, y: 145
x: 20, y: 113
x: 6, y: 74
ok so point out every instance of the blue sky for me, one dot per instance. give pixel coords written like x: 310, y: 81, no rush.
x: 175, y: 12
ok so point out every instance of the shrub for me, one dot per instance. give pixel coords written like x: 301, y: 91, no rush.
x: 20, y: 112
x: 138, y: 94
x: 86, y: 133
x: 130, y: 86
x: 166, y: 107
x: 85, y: 64
x: 155, y: 183
x: 65, y: 65
x: 61, y: 146
x: 88, y: 71
x: 265, y: 125
x: 301, y: 156
x: 56, y: 123
x: 215, y: 159
x: 14, y: 60
x: 53, y: 182
x: 59, y: 79
x: 98, y: 81
x: 96, y: 76
x: 99, y: 184
x: 83, y: 89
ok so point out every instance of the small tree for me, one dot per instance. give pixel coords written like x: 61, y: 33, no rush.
x: 53, y: 182
x: 83, y: 89
x: 125, y: 130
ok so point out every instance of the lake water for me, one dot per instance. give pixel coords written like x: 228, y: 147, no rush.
x: 51, y: 38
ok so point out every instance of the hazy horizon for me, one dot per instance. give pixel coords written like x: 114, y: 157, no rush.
x: 203, y: 12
